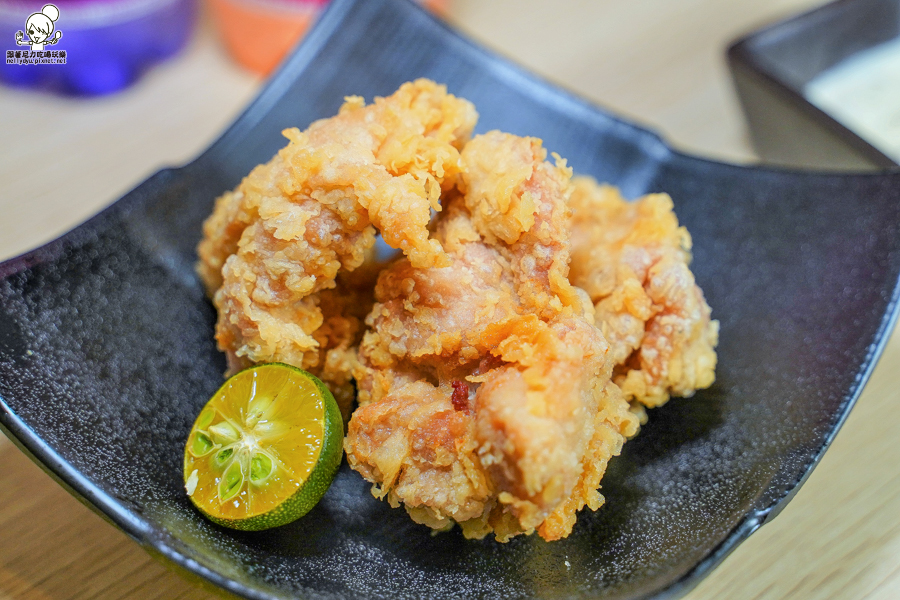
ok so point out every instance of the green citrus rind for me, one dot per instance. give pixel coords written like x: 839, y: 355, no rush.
x: 316, y: 484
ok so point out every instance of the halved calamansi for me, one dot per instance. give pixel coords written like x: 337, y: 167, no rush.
x: 264, y: 449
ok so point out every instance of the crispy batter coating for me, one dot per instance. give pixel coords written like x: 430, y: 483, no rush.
x: 543, y: 418
x: 632, y: 259
x: 495, y: 380
x: 274, y: 246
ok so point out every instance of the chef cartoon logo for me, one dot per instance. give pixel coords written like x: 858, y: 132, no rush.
x: 40, y: 29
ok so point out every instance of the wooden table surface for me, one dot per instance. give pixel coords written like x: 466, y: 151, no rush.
x: 659, y: 62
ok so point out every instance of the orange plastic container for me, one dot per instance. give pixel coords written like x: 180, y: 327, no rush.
x: 259, y: 33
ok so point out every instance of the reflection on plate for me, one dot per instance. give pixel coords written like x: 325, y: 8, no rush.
x: 106, y: 349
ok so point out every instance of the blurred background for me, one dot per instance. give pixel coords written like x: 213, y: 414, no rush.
x: 160, y: 80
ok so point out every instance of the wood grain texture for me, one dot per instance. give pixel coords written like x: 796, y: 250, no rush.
x: 657, y: 62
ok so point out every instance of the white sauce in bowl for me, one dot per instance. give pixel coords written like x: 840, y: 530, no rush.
x: 863, y: 93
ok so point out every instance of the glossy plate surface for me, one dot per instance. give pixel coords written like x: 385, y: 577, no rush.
x: 107, y: 354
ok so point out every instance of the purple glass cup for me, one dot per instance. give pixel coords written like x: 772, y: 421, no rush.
x: 103, y: 45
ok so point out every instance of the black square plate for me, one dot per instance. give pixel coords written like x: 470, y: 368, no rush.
x: 772, y: 66
x: 107, y: 354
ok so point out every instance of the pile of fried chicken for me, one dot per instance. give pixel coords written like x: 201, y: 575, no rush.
x: 506, y: 353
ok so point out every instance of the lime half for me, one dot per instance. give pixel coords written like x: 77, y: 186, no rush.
x: 264, y: 449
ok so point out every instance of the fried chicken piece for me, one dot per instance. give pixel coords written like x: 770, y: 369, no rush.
x: 503, y: 192
x: 484, y: 388
x: 632, y: 259
x: 417, y: 447
x: 274, y: 247
x: 344, y: 309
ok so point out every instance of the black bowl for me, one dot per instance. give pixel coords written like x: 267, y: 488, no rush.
x: 106, y: 348
x: 772, y: 66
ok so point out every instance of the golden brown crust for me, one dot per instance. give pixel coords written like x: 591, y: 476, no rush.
x: 632, y: 259
x: 494, y: 385
x: 273, y: 248
x: 503, y: 319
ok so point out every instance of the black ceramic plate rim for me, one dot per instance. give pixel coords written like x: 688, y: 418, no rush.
x: 741, y: 52
x: 118, y: 513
